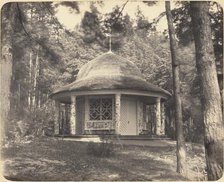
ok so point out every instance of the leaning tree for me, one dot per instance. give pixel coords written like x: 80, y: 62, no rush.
x: 181, y: 149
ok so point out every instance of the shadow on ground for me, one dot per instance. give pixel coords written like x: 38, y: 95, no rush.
x: 50, y: 159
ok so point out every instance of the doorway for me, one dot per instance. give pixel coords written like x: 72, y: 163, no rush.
x: 128, y: 125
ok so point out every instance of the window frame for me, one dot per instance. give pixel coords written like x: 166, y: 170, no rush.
x: 100, y: 97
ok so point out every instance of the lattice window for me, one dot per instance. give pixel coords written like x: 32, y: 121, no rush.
x: 94, y: 109
x: 100, y: 109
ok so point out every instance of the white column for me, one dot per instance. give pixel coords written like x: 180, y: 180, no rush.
x: 86, y: 115
x: 56, y: 120
x: 162, y: 119
x: 73, y: 115
x: 66, y: 119
x: 117, y: 113
x: 158, y: 117
x: 139, y: 116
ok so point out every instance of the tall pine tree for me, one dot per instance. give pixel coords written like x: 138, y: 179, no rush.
x: 210, y: 94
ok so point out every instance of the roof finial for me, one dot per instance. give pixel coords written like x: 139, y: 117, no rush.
x: 109, y: 36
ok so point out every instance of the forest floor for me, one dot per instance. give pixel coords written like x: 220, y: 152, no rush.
x: 62, y: 160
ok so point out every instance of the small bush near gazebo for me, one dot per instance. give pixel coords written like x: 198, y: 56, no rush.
x: 104, y: 149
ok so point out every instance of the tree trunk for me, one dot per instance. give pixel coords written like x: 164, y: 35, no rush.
x: 36, y: 74
x: 181, y: 149
x: 7, y: 27
x: 39, y: 98
x: 19, y: 95
x: 30, y: 81
x: 210, y: 94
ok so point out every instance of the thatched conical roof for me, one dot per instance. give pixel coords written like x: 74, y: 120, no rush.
x: 109, y: 72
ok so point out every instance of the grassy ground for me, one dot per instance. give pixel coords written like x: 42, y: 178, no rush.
x: 53, y: 159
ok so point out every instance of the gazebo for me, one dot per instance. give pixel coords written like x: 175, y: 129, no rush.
x: 110, y: 96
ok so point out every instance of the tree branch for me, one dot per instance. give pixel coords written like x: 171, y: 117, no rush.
x: 23, y: 26
x: 42, y: 45
x: 55, y: 19
x: 156, y: 20
x: 52, y: 14
x: 122, y: 9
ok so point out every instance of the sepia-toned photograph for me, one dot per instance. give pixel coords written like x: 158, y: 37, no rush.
x: 123, y: 90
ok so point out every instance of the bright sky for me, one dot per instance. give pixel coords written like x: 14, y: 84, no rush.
x: 70, y: 19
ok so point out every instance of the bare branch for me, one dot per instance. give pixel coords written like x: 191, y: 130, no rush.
x: 44, y: 47
x: 52, y: 14
x: 122, y: 9
x: 56, y: 20
x: 22, y: 24
x: 157, y: 19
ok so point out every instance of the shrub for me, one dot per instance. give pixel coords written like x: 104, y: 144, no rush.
x: 27, y: 124
x: 104, y: 149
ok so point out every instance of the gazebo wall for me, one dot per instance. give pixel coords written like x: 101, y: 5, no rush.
x: 131, y: 111
x: 137, y: 116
